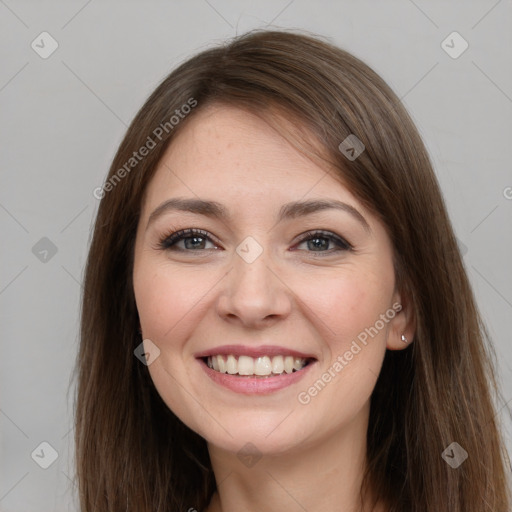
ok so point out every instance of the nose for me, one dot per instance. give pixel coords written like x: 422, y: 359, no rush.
x: 254, y: 294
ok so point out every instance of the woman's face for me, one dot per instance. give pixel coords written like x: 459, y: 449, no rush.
x: 257, y: 293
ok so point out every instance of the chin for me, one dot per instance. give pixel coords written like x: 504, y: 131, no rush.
x: 266, y: 433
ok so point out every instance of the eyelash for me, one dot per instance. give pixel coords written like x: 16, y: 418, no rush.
x: 170, y: 240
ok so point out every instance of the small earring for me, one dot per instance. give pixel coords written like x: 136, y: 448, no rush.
x: 404, y: 339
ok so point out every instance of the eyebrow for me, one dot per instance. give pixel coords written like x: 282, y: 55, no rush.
x: 291, y: 210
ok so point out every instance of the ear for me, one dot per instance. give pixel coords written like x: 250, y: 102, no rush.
x: 403, y: 323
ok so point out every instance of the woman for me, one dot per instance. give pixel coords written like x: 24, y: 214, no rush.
x: 276, y: 315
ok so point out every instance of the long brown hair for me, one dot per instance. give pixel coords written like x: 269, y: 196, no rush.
x: 133, y: 453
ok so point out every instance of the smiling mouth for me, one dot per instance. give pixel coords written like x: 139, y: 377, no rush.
x: 263, y: 366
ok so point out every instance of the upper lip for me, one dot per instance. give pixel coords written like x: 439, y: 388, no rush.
x: 251, y: 351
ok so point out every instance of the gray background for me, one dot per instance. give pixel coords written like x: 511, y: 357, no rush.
x: 62, y: 118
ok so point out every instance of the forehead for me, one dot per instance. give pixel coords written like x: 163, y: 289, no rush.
x: 228, y: 153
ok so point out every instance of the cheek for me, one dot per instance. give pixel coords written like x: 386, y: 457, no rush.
x: 347, y: 305
x: 167, y: 301
x: 346, y: 313
x: 163, y: 298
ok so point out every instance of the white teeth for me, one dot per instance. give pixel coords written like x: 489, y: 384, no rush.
x: 277, y: 364
x: 297, y: 363
x: 231, y: 365
x: 288, y: 364
x: 222, y: 363
x: 245, y: 365
x: 263, y: 366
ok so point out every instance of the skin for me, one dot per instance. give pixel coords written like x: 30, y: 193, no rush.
x: 293, y: 295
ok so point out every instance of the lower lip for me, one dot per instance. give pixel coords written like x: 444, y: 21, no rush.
x: 255, y: 385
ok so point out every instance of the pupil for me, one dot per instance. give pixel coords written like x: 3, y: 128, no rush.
x: 192, y: 241
x: 320, y: 245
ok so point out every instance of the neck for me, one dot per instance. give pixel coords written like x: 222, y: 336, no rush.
x: 319, y: 475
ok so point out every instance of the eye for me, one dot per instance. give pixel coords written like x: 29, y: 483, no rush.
x: 318, y: 241
x: 194, y: 239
